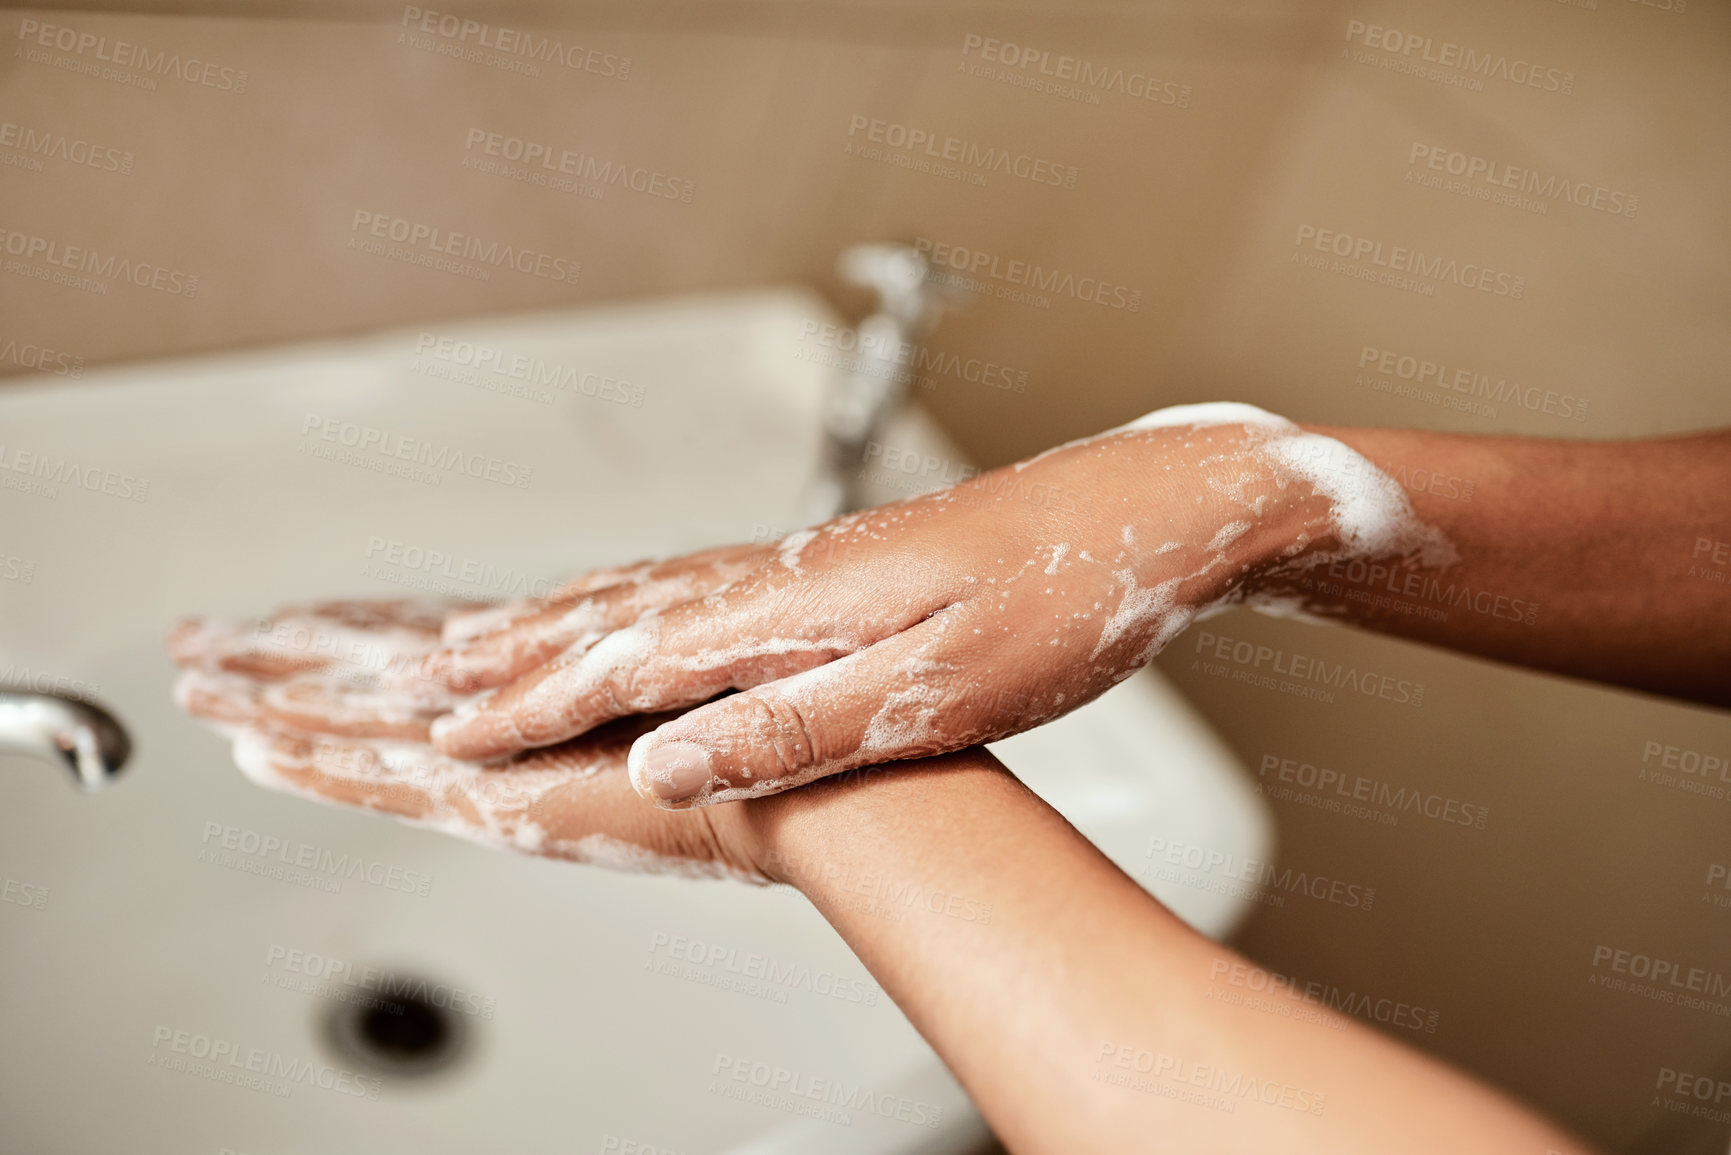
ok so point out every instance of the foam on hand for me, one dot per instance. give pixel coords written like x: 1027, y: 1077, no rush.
x: 325, y: 733
x: 1370, y: 513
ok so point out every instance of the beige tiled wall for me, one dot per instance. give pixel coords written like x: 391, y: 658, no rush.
x: 1284, y: 129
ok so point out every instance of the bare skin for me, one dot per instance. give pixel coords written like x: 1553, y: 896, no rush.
x: 1597, y: 539
x: 1079, y: 1016
x: 983, y: 610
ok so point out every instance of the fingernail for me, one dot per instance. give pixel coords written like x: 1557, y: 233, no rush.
x: 676, y: 770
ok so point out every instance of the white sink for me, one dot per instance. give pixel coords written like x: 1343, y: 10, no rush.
x: 684, y: 424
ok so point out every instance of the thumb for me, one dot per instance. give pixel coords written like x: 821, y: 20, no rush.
x: 859, y: 710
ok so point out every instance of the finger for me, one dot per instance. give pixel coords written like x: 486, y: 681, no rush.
x: 526, y: 635
x: 573, y: 801
x: 225, y: 700
x: 729, y: 562
x: 380, y: 635
x: 468, y: 625
x: 319, y: 704
x: 383, y: 698
x: 529, y: 640
x: 737, y: 638
x: 236, y: 646
x: 901, y: 698
x: 420, y: 618
x: 312, y: 703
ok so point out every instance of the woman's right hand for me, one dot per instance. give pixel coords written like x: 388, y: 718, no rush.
x: 925, y: 626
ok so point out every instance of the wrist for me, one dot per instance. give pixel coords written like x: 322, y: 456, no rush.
x: 1215, y: 512
x: 1243, y: 498
x: 818, y: 836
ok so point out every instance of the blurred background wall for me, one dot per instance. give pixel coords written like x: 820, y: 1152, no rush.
x: 1223, y: 220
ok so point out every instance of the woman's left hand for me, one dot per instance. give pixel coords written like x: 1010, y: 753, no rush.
x: 330, y: 702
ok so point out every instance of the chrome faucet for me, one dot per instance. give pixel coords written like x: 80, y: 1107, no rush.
x: 79, y: 735
x: 868, y: 388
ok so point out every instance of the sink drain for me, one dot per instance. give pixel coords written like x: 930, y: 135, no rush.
x: 399, y: 1035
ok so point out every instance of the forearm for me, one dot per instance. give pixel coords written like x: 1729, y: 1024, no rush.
x: 1575, y: 556
x: 1077, y: 1011
x: 978, y: 611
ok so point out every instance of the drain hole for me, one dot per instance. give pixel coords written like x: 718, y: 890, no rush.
x: 399, y: 1035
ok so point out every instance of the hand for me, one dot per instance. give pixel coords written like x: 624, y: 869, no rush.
x: 932, y: 624
x: 331, y: 702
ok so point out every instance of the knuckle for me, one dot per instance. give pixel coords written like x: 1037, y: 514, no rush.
x: 511, y: 730
x: 777, y: 736
x: 617, y: 670
x: 623, y: 688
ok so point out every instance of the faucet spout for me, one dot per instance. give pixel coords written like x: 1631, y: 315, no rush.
x: 865, y: 394
x: 79, y: 735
